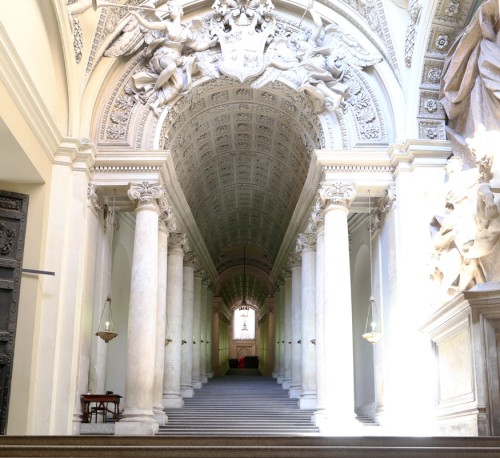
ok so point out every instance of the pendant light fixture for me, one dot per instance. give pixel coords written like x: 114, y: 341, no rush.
x: 105, y: 330
x: 372, y: 334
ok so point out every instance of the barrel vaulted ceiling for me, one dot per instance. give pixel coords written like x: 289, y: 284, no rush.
x: 242, y: 156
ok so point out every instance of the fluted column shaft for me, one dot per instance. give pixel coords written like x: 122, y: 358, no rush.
x: 196, y: 377
x: 138, y: 418
x: 172, y: 381
x: 161, y: 314
x: 187, y: 330
x: 339, y: 372
x: 307, y: 245
x: 296, y: 383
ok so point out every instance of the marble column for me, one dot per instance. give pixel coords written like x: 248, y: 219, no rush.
x: 210, y: 317
x: 271, y: 336
x: 276, y: 341
x: 306, y: 244
x: 319, y: 416
x: 196, y: 376
x: 203, y: 331
x: 281, y: 297
x: 287, y: 314
x: 161, y: 311
x: 339, y: 372
x: 187, y: 326
x: 296, y: 383
x: 138, y: 418
x: 173, y: 338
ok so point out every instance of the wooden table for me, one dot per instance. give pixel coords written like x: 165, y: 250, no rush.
x: 95, y: 404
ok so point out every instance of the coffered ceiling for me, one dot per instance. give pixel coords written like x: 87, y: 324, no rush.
x: 241, y: 157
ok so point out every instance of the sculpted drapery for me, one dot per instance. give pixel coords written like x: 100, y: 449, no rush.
x: 470, y: 88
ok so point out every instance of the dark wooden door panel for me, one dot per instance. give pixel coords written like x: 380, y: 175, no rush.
x: 13, y: 214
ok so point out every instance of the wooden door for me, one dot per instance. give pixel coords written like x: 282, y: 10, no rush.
x: 13, y: 213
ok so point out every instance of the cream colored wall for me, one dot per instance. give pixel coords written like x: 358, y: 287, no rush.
x: 34, y: 30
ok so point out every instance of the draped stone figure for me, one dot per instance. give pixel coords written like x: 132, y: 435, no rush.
x: 470, y: 86
x: 469, y: 228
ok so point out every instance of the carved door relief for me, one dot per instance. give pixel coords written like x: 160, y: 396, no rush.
x: 13, y: 214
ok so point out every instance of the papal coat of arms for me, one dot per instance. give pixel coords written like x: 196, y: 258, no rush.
x: 243, y: 28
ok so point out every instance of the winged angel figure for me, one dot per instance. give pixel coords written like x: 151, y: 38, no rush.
x: 317, y: 62
x: 169, y: 49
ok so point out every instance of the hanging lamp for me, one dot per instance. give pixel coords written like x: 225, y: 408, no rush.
x: 105, y: 330
x: 372, y: 333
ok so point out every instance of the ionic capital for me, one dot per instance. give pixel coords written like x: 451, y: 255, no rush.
x: 94, y: 196
x: 145, y: 193
x: 176, y: 241
x: 306, y: 242
x: 338, y: 194
x: 316, y: 217
x: 294, y: 260
x: 189, y: 258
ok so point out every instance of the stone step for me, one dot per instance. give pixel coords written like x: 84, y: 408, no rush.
x: 248, y: 447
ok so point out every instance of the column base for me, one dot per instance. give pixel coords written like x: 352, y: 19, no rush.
x: 275, y: 374
x: 279, y: 379
x: 294, y: 392
x: 204, y: 379
x: 187, y: 392
x: 336, y: 425
x: 136, y: 428
x: 173, y: 402
x: 197, y: 384
x: 307, y: 403
x: 318, y: 418
x: 160, y: 417
x: 287, y: 384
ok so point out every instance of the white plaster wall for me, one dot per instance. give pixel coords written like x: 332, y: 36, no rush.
x: 120, y: 292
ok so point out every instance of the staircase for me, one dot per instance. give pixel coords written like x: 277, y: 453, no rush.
x: 240, y: 404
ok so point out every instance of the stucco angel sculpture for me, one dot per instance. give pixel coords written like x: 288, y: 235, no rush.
x: 170, y: 46
x: 317, y: 62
